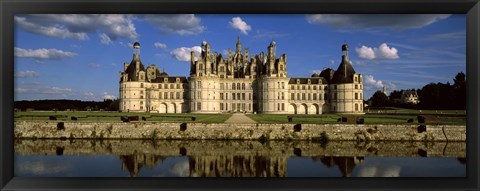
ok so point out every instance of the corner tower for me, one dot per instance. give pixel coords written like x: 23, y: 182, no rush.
x: 346, y: 87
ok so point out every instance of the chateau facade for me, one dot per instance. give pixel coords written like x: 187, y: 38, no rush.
x: 240, y: 82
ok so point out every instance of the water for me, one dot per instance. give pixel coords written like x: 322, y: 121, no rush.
x: 137, y: 158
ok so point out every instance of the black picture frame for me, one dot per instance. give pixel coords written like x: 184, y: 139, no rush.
x: 8, y: 8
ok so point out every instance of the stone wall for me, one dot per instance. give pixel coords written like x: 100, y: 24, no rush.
x: 155, y: 130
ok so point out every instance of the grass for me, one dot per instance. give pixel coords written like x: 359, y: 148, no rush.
x: 104, y: 116
x: 399, y: 116
x: 389, y: 116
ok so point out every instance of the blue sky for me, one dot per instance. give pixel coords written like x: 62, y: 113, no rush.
x: 80, y: 56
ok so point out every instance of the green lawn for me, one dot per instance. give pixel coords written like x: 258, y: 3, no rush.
x: 383, y: 117
x: 115, y: 116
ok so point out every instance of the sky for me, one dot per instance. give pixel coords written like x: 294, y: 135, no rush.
x: 81, y: 56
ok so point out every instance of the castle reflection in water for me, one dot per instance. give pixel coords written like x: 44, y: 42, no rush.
x: 235, y: 166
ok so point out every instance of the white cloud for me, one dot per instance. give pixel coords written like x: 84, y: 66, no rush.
x: 56, y: 90
x: 104, y: 39
x: 183, y: 53
x: 374, y: 21
x: 268, y: 34
x: 77, y: 26
x: 89, y: 94
x: 108, y: 96
x: 372, y: 171
x: 182, y: 24
x: 28, y: 73
x: 238, y: 23
x: 94, y: 65
x: 160, y: 45
x: 50, y: 54
x: 181, y: 169
x: 371, y: 83
x: 382, y: 52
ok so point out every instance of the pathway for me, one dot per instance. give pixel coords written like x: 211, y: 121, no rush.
x: 238, y: 118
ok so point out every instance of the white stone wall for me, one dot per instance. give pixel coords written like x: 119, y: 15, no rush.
x: 348, y: 97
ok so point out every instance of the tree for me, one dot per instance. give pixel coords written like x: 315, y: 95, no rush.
x: 379, y: 99
x: 460, y: 91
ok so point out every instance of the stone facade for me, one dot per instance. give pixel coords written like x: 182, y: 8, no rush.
x: 240, y: 82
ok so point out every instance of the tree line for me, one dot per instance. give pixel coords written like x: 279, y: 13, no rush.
x: 433, y: 96
x: 64, y: 104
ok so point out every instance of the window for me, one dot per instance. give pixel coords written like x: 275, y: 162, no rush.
x: 141, y: 92
x: 292, y: 96
x: 178, y: 86
x: 238, y: 86
x: 222, y: 69
x: 303, y: 96
x: 160, y: 95
x: 199, y: 105
x: 283, y: 106
x: 233, y: 86
x: 199, y: 95
x: 233, y: 106
x: 141, y: 97
x: 355, y: 78
x: 221, y: 96
x: 199, y: 84
x: 314, y: 96
x: 303, y: 87
x: 200, y: 66
x: 243, y: 86
x: 166, y: 95
x: 292, y: 87
x: 249, y: 96
x: 309, y: 97
x: 356, y: 86
x: 356, y: 95
x: 233, y: 96
x: 283, y: 85
x: 171, y: 95
x: 356, y: 107
x: 298, y: 96
x: 141, y: 85
x: 159, y: 86
x: 314, y: 87
x: 238, y: 95
x: 178, y: 95
x: 221, y: 106
x: 172, y: 86
x: 278, y: 106
x: 141, y: 102
x: 222, y: 86
x: 283, y: 96
x: 166, y: 86
x: 243, y: 96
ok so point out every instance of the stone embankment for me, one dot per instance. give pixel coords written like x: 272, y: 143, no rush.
x: 224, y: 131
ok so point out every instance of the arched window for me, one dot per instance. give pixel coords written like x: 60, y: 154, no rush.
x: 243, y: 86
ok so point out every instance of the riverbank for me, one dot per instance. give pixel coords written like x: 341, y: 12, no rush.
x: 223, y: 131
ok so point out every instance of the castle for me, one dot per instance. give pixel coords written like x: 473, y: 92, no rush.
x: 240, y: 82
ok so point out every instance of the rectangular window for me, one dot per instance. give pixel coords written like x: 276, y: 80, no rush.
x: 292, y: 87
x: 160, y: 95
x: 314, y: 96
x: 278, y: 106
x: 283, y: 85
x: 171, y: 95
x: 178, y: 86
x: 199, y: 84
x: 199, y: 95
x: 233, y: 96
x: 303, y: 87
x: 298, y: 96
x: 314, y: 87
x: 222, y: 86
x: 199, y: 105
x: 292, y: 96
x: 238, y: 95
x: 221, y: 96
x: 249, y: 96
x: 233, y: 106
x: 221, y: 106
x: 243, y: 86
x: 309, y: 96
x: 166, y: 86
x: 283, y: 106
x: 283, y: 96
x: 172, y: 86
x: 356, y: 86
x: 303, y: 96
x: 159, y: 86
x: 356, y: 95
x: 178, y: 95
x: 243, y: 96
x: 165, y: 95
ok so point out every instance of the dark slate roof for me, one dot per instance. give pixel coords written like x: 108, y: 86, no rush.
x: 315, y: 75
x: 409, y: 92
x: 327, y: 73
x: 305, y: 80
x: 171, y: 79
x: 131, y: 69
x: 344, y: 68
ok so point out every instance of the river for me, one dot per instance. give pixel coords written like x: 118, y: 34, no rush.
x: 193, y: 158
